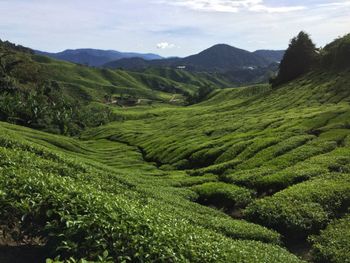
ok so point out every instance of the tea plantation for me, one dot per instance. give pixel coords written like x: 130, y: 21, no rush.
x: 276, y: 157
x: 250, y: 174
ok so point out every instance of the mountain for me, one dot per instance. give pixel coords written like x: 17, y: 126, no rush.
x: 270, y: 55
x: 219, y: 58
x: 223, y: 58
x: 141, y: 64
x: 234, y: 64
x: 95, y: 57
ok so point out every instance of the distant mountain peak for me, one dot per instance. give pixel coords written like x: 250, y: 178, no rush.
x: 223, y: 47
x: 218, y: 58
x: 95, y: 57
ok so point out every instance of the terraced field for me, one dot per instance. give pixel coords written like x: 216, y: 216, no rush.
x: 78, y: 199
x: 281, y: 157
x: 251, y: 174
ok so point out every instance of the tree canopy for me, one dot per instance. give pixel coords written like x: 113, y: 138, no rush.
x: 298, y: 59
x: 336, y: 55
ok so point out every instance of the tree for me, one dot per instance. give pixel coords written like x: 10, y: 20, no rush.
x: 200, y: 94
x: 299, y: 58
x: 336, y: 54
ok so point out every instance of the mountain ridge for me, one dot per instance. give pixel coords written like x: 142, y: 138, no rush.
x: 95, y: 57
x: 218, y: 58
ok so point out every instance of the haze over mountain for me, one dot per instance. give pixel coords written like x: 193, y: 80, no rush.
x: 271, y: 55
x: 95, y: 57
x: 218, y: 58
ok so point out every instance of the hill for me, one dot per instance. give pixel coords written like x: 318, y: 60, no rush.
x: 223, y: 58
x: 292, y: 154
x: 251, y: 174
x: 52, y: 95
x: 252, y: 152
x: 95, y: 57
x: 270, y: 55
x: 137, y: 64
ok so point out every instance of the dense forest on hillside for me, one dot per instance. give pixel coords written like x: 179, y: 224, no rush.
x: 166, y: 165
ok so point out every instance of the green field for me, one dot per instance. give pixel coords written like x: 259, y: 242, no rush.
x: 250, y: 174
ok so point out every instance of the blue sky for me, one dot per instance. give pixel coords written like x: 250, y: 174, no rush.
x: 169, y: 27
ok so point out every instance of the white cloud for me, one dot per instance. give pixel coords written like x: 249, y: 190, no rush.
x: 336, y: 4
x: 283, y: 9
x: 231, y: 6
x: 246, y: 24
x: 165, y: 45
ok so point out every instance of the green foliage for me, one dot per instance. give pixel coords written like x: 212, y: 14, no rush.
x: 223, y: 195
x: 304, y: 208
x: 336, y: 54
x: 12, y: 46
x: 298, y: 59
x: 130, y: 187
x: 200, y: 95
x: 45, y: 108
x: 332, y: 245
x: 87, y: 208
x: 26, y: 99
x: 29, y: 98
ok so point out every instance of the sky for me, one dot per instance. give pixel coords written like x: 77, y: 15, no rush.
x: 169, y: 27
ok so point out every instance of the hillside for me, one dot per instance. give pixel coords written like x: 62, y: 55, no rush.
x: 292, y: 155
x: 95, y: 57
x: 95, y: 83
x: 223, y: 150
x: 270, y: 55
x: 141, y: 64
x: 51, y: 95
x: 223, y: 58
x: 235, y: 65
x: 250, y: 174
x: 219, y: 58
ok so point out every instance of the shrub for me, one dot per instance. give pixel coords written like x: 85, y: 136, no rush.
x: 303, y: 208
x: 223, y: 195
x: 333, y: 243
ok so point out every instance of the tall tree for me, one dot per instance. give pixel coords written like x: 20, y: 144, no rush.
x: 299, y: 58
x: 336, y: 54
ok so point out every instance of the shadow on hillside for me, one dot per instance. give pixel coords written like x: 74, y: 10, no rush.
x: 22, y: 254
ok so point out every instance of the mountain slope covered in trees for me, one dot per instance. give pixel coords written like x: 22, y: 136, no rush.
x: 271, y: 55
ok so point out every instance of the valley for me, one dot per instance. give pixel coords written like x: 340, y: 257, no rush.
x: 208, y: 171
